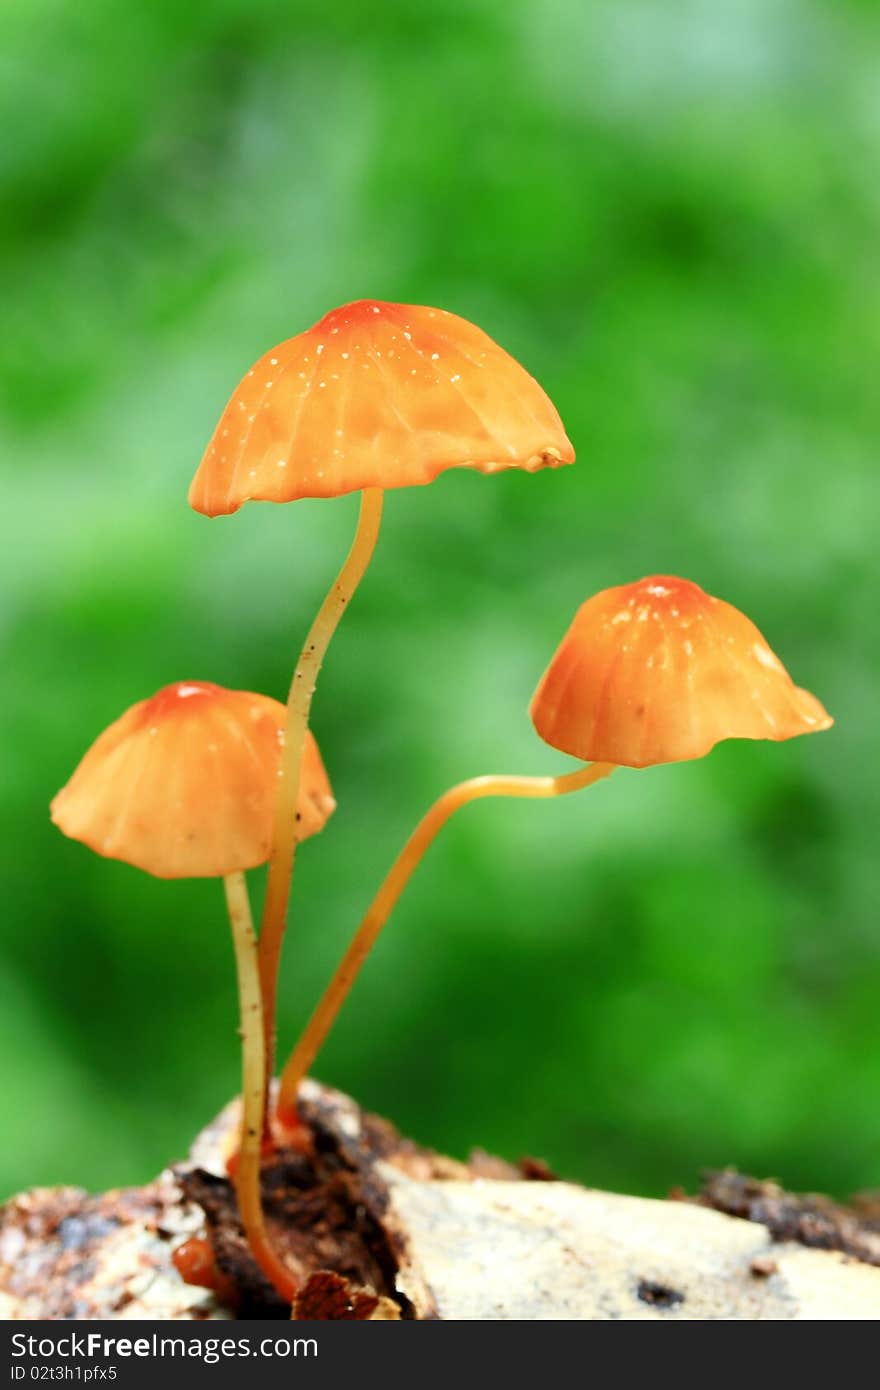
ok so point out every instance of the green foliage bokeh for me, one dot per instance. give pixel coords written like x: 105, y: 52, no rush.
x: 669, y: 214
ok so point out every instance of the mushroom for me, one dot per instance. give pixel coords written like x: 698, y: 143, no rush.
x: 653, y: 672
x: 659, y: 672
x: 374, y: 396
x: 183, y: 786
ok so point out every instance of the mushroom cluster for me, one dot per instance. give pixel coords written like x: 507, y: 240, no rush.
x: 206, y: 782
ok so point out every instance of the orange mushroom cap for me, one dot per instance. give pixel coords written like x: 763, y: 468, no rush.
x: 659, y: 672
x: 375, y: 395
x: 183, y: 784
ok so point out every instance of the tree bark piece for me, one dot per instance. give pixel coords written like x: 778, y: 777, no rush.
x: 66, y: 1254
x: 495, y: 1250
x: 385, y: 1228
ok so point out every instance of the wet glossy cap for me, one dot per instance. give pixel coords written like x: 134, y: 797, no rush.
x: 183, y: 785
x: 375, y: 395
x: 659, y: 672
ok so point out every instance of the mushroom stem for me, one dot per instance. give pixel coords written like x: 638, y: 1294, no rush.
x: 393, y: 885
x: 253, y: 1088
x: 298, y: 703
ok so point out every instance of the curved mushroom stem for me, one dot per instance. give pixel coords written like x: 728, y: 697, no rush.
x: 298, y: 703
x: 253, y: 1088
x: 382, y: 905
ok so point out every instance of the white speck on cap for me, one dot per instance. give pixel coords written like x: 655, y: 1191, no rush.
x: 766, y: 657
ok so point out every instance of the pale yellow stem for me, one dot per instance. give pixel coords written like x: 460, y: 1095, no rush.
x: 396, y: 880
x: 299, y: 701
x: 253, y: 1089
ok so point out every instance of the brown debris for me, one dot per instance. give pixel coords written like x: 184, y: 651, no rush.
x: 536, y: 1170
x: 810, y: 1219
x: 329, y: 1297
x: 316, y: 1219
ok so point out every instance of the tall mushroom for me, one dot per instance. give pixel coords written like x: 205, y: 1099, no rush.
x: 653, y: 672
x: 374, y: 396
x: 183, y: 786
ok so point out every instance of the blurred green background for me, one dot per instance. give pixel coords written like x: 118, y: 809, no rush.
x: 669, y: 213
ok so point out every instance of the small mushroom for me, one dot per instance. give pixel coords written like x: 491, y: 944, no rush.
x: 183, y: 786
x: 376, y: 395
x: 653, y: 672
x: 659, y: 672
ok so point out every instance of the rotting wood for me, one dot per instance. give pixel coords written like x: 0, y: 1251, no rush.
x: 385, y: 1228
